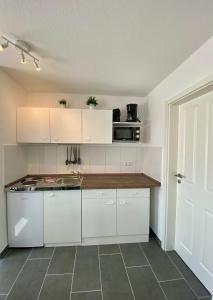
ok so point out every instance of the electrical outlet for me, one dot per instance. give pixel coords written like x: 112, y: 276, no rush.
x: 128, y: 163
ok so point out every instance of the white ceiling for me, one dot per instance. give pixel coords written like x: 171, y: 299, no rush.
x: 120, y: 47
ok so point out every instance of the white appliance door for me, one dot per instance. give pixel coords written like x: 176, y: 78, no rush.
x: 25, y: 219
x: 194, y: 225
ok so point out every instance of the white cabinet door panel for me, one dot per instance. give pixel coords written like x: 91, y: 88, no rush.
x: 98, y: 216
x: 33, y: 125
x: 133, y: 215
x: 25, y: 219
x: 62, y: 217
x: 65, y: 125
x: 97, y: 126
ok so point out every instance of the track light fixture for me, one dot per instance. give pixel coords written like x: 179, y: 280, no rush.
x: 23, y: 59
x: 25, y: 51
x: 3, y: 46
x: 36, y: 65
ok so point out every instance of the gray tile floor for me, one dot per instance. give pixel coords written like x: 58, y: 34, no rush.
x: 107, y: 272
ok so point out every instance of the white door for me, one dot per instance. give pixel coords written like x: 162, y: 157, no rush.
x: 133, y: 211
x: 194, y: 223
x: 65, y: 125
x: 25, y: 219
x: 33, y: 125
x: 97, y: 126
x: 98, y: 213
x: 62, y: 217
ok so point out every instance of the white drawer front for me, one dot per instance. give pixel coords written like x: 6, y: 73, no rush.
x: 99, y: 193
x: 133, y: 193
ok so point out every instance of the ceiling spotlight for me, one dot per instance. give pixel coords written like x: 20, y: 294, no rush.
x: 25, y: 51
x: 23, y: 59
x: 3, y: 46
x: 36, y: 65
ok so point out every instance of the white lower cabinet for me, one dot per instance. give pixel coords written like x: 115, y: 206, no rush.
x: 133, y: 212
x: 98, y: 213
x: 122, y: 215
x: 62, y: 217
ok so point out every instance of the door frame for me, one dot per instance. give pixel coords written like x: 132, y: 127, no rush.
x: 170, y: 156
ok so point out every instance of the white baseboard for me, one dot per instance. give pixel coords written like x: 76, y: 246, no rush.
x: 116, y: 239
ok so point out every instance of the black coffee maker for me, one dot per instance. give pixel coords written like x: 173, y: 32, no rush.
x: 132, y: 113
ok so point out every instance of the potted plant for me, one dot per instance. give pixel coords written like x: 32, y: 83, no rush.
x: 63, y: 103
x: 92, y: 102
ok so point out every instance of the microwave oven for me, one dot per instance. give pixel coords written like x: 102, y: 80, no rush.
x: 127, y: 133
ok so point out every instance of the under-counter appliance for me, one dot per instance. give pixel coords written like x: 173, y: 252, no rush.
x: 126, y: 133
x: 25, y: 219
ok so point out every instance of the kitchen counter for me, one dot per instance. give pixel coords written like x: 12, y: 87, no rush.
x: 119, y: 181
x: 90, y: 181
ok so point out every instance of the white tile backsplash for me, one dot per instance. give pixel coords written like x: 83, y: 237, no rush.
x: 47, y: 159
x: 113, y: 160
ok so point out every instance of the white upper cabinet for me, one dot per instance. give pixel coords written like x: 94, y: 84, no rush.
x: 97, y: 126
x: 65, y: 125
x: 33, y: 125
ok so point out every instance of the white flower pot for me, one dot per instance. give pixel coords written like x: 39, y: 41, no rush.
x: 91, y: 106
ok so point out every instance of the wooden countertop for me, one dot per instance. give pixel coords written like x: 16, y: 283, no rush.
x: 113, y: 181
x: 107, y: 181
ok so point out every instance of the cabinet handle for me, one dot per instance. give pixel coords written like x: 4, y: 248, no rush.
x: 109, y: 203
x: 24, y: 198
x: 51, y: 195
x: 123, y: 203
x: 135, y: 193
x: 100, y: 194
x: 87, y: 139
x: 44, y: 139
x: 55, y: 139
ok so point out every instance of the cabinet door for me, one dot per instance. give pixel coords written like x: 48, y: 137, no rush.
x: 25, y: 219
x: 97, y: 126
x: 133, y: 211
x: 98, y: 213
x: 33, y: 125
x: 62, y: 217
x: 65, y: 125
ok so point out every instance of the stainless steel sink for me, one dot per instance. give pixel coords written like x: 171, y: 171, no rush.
x: 72, y: 180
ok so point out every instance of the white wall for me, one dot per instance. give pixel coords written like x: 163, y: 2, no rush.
x: 79, y: 101
x: 11, y: 96
x: 193, y: 70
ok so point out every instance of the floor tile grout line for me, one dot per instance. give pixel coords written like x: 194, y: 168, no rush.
x: 195, y: 294
x: 45, y: 276
x: 127, y: 273
x: 89, y: 291
x: 19, y: 274
x: 99, y: 263
x: 141, y: 250
x: 61, y: 274
x: 176, y: 279
x: 73, y: 271
x: 103, y: 254
x: 153, y: 272
x: 140, y: 266
x: 39, y: 258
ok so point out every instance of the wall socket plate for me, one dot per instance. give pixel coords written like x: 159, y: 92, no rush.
x: 128, y: 163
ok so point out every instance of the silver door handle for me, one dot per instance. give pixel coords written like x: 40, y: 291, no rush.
x: 178, y: 175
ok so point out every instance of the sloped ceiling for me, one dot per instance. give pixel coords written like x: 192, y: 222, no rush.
x: 120, y: 47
